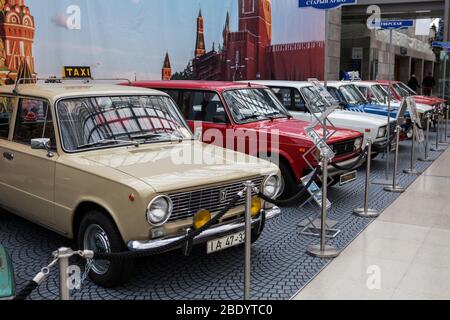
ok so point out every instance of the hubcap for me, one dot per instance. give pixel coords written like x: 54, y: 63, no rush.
x: 96, y: 239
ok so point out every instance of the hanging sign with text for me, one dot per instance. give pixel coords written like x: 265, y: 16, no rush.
x: 325, y: 4
x: 395, y: 24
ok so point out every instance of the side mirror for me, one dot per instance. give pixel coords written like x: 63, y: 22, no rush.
x: 7, y: 282
x: 42, y: 144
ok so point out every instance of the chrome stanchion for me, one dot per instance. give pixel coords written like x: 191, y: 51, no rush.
x: 394, y: 187
x: 63, y: 254
x: 444, y: 129
x: 438, y: 134
x: 426, y: 158
x: 366, y: 212
x: 323, y: 250
x: 412, y: 169
x: 446, y: 124
x: 248, y: 238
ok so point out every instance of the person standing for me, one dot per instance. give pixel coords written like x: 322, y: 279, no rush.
x: 428, y: 84
x: 413, y: 83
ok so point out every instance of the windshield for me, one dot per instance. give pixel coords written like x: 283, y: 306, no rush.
x: 405, y: 89
x: 380, y: 93
x: 394, y: 92
x: 337, y: 95
x: 352, y: 95
x: 94, y: 122
x: 251, y: 105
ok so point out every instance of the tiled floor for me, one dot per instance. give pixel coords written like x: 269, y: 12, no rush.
x: 404, y: 254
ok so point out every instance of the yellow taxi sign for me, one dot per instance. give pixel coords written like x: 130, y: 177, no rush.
x: 74, y: 72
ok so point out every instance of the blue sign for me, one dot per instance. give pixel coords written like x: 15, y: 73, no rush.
x: 325, y: 4
x: 440, y: 44
x: 396, y: 24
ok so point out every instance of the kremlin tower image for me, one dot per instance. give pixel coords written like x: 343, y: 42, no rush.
x: 17, y: 30
x: 249, y: 54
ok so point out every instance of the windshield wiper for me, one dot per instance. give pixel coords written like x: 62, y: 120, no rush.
x: 253, y: 116
x: 107, y: 142
x: 150, y: 136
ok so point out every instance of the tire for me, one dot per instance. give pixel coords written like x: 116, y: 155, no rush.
x: 291, y: 187
x: 255, y: 235
x: 98, y: 232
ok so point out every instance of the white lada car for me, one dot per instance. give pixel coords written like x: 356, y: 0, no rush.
x: 297, y: 97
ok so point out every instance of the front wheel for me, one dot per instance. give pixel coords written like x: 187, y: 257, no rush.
x: 98, y: 233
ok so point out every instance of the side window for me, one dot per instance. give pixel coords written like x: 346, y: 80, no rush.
x: 6, y: 110
x: 203, y: 106
x: 290, y: 98
x: 34, y: 121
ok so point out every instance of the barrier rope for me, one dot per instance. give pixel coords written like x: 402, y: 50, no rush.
x: 294, y: 199
x: 153, y: 251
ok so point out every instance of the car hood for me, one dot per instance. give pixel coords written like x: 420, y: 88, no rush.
x: 295, y: 129
x: 362, y: 119
x: 169, y: 167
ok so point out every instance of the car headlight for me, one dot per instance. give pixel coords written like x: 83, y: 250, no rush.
x: 271, y: 186
x: 159, y: 210
x: 382, y: 132
x: 358, y: 143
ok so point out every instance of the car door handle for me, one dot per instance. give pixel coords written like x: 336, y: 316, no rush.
x: 8, y: 156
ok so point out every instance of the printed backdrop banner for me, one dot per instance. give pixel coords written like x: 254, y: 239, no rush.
x: 155, y: 39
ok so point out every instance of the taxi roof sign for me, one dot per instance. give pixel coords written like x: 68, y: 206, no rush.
x: 77, y: 72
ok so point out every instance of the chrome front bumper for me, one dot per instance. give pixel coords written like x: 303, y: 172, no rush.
x: 212, y: 233
x: 333, y: 172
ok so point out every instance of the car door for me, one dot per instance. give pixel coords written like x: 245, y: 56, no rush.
x: 293, y: 102
x: 7, y: 106
x: 29, y: 174
x: 204, y: 110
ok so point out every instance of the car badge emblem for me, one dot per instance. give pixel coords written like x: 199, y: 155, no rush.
x: 222, y: 196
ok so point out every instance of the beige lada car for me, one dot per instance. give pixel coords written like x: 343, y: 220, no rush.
x: 102, y: 164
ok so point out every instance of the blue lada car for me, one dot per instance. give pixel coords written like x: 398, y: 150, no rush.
x: 352, y: 99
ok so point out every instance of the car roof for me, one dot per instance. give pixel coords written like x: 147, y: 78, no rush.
x: 55, y: 91
x: 193, y: 84
x: 281, y: 83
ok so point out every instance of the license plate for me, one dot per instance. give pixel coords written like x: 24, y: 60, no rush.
x: 348, y: 177
x: 229, y: 241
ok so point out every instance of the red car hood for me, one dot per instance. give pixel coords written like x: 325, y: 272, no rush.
x: 295, y: 129
x: 429, y: 100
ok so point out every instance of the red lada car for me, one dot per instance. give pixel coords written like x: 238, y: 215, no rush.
x: 401, y: 90
x: 233, y: 108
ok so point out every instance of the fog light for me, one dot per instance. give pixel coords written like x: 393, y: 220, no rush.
x: 256, y: 206
x: 201, y: 218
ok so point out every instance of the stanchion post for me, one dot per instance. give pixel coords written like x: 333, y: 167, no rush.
x: 248, y: 239
x: 394, y: 187
x: 427, y: 142
x: 412, y: 169
x: 438, y: 133
x: 366, y: 212
x: 64, y: 254
x: 446, y: 124
x: 323, y: 250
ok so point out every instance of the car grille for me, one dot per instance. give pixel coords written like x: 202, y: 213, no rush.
x: 187, y: 204
x: 343, y: 148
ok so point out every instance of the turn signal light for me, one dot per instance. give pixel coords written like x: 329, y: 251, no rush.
x: 256, y: 206
x: 201, y: 218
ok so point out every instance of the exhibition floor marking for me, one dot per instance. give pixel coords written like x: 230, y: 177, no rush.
x: 280, y: 265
